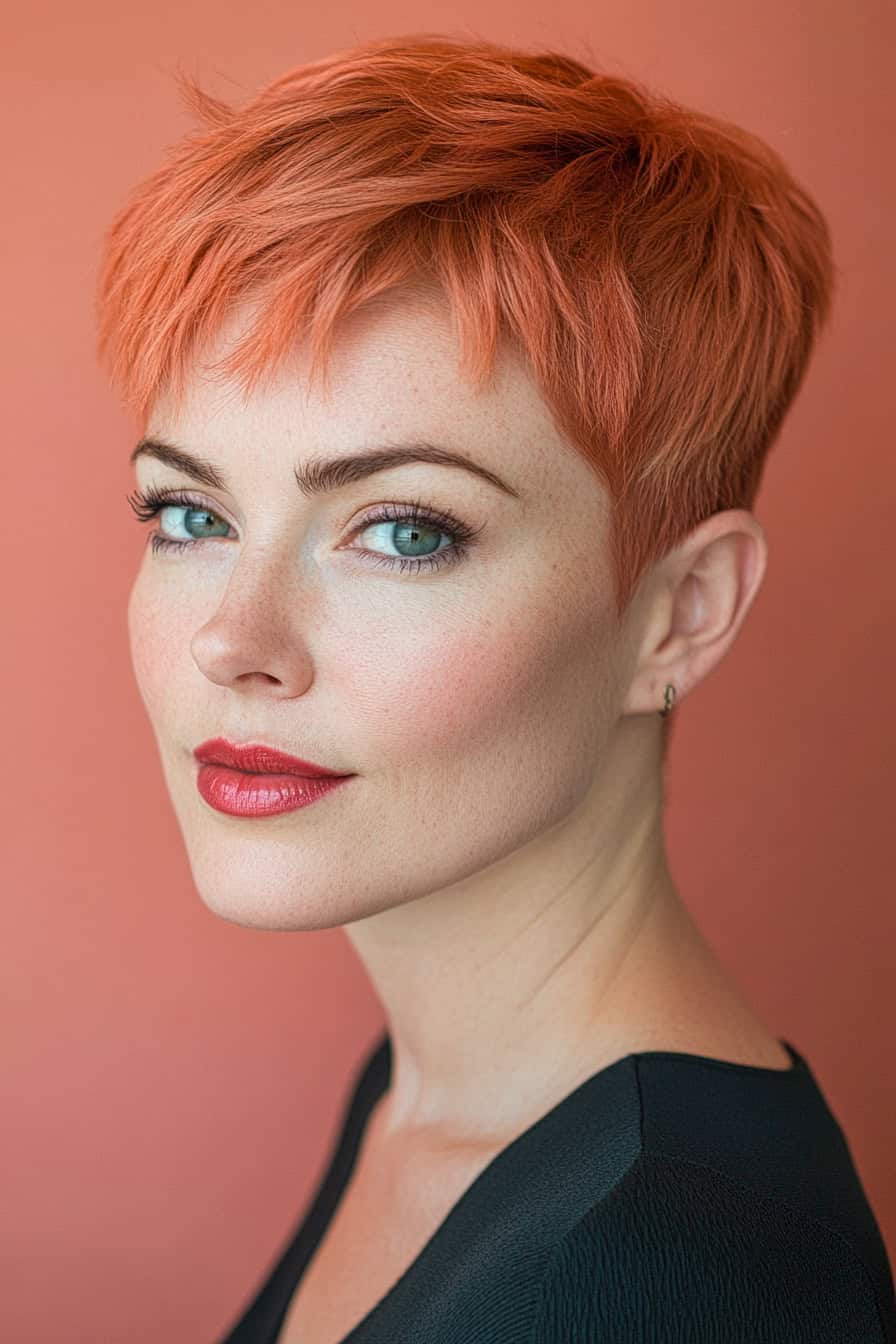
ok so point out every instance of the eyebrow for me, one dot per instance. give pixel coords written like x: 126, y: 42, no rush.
x: 319, y: 475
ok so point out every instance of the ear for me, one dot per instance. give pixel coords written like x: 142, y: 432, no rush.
x: 696, y: 600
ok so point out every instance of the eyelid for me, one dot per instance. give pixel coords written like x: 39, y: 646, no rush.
x: 189, y: 496
x: 149, y: 503
x: 173, y: 496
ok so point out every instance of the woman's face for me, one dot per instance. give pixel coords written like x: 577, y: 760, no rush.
x: 471, y: 702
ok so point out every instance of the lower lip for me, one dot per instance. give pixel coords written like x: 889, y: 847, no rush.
x: 241, y: 794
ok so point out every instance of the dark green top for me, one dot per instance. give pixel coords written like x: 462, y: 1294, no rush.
x: 671, y: 1198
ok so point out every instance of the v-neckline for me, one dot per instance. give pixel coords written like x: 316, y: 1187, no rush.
x: 376, y: 1078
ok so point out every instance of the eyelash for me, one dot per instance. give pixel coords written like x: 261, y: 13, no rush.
x: 148, y: 503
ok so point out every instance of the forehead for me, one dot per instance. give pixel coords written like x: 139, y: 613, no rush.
x: 394, y: 372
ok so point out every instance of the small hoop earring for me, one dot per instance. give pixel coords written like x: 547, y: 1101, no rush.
x: 667, y: 707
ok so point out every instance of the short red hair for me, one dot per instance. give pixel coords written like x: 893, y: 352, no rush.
x: 661, y: 270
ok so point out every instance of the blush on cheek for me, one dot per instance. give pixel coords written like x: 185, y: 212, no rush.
x: 467, y: 691
x: 522, y: 696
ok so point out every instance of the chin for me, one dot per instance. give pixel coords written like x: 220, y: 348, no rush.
x: 284, y: 904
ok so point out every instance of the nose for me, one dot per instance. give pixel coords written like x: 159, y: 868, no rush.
x: 255, y: 637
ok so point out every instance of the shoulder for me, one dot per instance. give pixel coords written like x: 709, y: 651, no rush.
x: 681, y: 1252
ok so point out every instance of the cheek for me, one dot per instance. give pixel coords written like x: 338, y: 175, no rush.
x: 155, y: 644
x: 456, y: 687
x: 512, y: 691
x: 141, y: 643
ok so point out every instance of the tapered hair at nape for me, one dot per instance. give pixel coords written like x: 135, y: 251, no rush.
x: 661, y: 270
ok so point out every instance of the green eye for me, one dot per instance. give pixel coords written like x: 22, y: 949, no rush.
x: 412, y: 525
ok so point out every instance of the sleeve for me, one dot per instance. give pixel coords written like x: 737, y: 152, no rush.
x: 679, y: 1253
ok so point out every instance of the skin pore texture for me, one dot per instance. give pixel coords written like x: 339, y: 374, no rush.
x: 498, y: 861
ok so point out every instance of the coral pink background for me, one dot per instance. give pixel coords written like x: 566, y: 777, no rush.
x: 170, y: 1082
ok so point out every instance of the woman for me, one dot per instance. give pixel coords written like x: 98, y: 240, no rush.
x: 456, y: 369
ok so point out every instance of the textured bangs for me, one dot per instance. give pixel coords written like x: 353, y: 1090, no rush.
x: 660, y: 270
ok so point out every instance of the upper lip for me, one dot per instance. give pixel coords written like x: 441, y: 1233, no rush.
x: 256, y: 758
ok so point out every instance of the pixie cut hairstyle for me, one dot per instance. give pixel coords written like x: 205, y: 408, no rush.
x: 660, y: 270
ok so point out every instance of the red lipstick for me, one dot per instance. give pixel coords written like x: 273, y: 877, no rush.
x: 255, y: 780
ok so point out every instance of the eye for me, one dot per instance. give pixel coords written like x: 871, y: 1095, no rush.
x: 147, y: 504
x: 414, y: 529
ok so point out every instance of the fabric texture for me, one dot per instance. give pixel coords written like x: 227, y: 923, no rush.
x: 671, y: 1198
